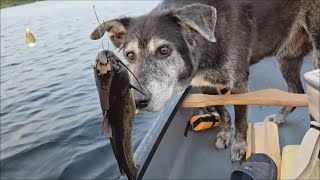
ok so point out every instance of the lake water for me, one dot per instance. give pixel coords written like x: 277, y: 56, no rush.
x: 50, y: 111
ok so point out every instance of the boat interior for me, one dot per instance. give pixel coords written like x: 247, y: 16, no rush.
x: 166, y: 153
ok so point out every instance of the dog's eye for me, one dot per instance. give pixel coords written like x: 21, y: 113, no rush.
x: 164, y: 51
x: 130, y: 56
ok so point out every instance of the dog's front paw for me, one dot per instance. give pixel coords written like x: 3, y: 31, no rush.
x: 276, y: 118
x: 238, y: 149
x: 223, y: 139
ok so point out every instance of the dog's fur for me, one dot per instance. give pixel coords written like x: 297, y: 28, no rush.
x: 213, y: 44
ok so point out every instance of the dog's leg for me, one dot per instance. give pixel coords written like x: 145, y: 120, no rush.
x: 223, y: 137
x: 239, y: 145
x: 316, y: 48
x: 312, y: 27
x: 290, y: 69
x: 290, y: 60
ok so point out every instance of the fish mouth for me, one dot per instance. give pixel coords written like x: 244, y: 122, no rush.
x: 102, y: 68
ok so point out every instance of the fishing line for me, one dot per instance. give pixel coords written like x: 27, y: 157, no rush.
x: 94, y: 10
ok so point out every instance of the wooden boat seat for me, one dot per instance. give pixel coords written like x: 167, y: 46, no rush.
x: 267, y: 97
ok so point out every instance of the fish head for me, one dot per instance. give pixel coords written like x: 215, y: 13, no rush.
x: 103, y: 63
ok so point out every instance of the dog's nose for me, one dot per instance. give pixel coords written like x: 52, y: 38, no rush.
x: 143, y: 99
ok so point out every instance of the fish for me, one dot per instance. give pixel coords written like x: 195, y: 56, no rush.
x: 29, y: 38
x: 118, y: 109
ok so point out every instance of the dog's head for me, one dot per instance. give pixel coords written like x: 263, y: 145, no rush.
x: 161, y: 48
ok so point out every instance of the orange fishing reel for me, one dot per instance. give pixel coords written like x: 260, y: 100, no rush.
x: 205, y: 121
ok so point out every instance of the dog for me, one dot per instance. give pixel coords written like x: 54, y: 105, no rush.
x: 212, y: 43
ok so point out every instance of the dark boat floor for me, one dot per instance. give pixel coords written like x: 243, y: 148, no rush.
x: 195, y: 156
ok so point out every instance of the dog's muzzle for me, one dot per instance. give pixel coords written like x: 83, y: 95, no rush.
x: 142, y: 97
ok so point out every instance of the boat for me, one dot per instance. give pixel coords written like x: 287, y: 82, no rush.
x: 166, y: 153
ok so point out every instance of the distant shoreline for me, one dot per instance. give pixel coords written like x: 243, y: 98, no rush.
x: 10, y: 3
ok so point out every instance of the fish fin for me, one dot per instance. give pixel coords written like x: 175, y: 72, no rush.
x: 137, y: 167
x: 106, y: 127
x: 122, y: 172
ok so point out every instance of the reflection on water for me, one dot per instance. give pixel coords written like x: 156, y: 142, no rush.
x: 50, y: 114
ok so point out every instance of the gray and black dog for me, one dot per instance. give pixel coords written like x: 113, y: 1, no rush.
x: 212, y: 43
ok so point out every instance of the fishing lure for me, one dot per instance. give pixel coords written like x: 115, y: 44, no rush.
x: 29, y: 38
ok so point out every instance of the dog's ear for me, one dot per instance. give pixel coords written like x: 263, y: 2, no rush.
x: 116, y: 28
x: 199, y: 17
